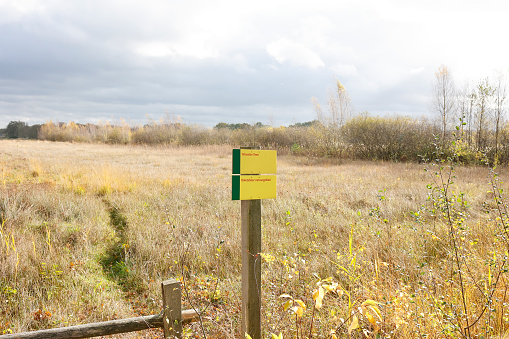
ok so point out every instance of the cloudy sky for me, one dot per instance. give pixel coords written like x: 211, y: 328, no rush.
x: 237, y: 61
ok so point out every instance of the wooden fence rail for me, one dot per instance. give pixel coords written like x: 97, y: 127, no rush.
x: 170, y: 319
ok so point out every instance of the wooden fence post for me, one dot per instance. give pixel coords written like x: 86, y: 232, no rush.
x: 172, y: 309
x: 251, y: 267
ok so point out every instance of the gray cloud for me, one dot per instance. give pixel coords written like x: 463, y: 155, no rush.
x: 212, y: 62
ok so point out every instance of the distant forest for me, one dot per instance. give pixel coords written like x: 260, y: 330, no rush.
x: 392, y: 138
x: 20, y: 129
x: 468, y: 124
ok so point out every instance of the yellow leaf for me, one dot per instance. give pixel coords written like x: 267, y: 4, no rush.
x: 353, y: 325
x: 285, y: 296
x: 287, y: 305
x: 301, y: 303
x: 377, y: 311
x: 280, y: 336
x: 330, y: 288
x: 318, y: 297
x: 297, y: 310
x: 267, y: 257
x: 371, y: 319
x: 300, y: 311
x: 248, y: 336
x: 370, y: 302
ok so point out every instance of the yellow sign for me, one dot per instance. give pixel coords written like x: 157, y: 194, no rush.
x: 249, y: 161
x: 250, y: 187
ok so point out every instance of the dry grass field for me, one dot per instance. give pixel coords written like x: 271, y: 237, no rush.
x: 88, y: 232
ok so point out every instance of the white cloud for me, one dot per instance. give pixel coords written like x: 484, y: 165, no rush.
x: 241, y: 64
x: 11, y: 11
x: 417, y: 70
x: 153, y: 49
x: 194, y: 49
x: 344, y: 70
x: 286, y: 50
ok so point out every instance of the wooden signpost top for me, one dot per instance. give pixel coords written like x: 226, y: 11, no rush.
x: 250, y: 161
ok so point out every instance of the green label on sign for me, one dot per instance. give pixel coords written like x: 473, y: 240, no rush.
x: 249, y: 161
x: 250, y: 187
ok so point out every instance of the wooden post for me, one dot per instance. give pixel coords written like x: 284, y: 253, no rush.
x: 251, y: 267
x: 172, y: 309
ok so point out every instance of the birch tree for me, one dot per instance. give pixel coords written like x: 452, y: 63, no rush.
x: 318, y: 110
x: 499, y: 96
x: 465, y: 107
x: 339, y: 107
x: 484, y: 95
x: 444, y: 98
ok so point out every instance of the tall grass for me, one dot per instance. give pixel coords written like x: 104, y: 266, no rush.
x: 89, y: 231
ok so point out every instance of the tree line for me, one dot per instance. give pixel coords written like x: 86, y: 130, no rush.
x: 362, y: 136
x: 473, y: 113
x: 20, y: 129
x: 469, y: 122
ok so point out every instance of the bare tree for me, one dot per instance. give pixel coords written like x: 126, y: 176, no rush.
x: 318, y: 110
x: 465, y: 109
x: 470, y: 124
x: 334, y: 117
x: 340, y: 110
x: 444, y: 95
x: 483, y: 97
x: 462, y: 108
x: 343, y: 103
x: 499, y: 96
